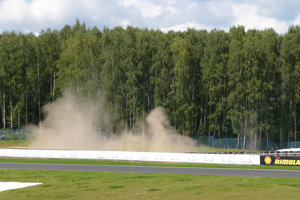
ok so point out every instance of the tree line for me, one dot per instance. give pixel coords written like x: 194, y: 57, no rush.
x: 222, y: 84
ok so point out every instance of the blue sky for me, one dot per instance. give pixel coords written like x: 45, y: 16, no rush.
x: 36, y: 15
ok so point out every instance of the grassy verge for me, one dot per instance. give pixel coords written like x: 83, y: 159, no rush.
x: 102, y: 185
x: 14, y: 143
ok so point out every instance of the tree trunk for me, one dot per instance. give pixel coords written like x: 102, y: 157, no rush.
x: 53, y: 88
x: 39, y: 95
x: 238, y: 141
x: 11, y: 113
x: 244, y: 145
x: 26, y: 96
x: 19, y: 118
x: 295, y: 126
x: 51, y: 81
x: 3, y: 112
x: 77, y: 81
x: 10, y: 104
x: 26, y: 109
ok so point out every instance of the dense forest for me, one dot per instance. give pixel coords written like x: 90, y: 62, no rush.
x: 218, y: 83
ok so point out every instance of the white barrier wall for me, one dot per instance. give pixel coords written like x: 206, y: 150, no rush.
x: 134, y: 156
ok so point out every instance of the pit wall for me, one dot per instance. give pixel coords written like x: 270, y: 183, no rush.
x: 134, y: 156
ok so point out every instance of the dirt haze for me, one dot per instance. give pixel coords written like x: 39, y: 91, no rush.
x: 68, y: 127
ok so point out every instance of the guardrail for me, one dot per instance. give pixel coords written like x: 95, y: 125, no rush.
x: 237, y: 159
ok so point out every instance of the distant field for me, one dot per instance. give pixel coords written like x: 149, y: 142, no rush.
x: 25, y: 143
x: 14, y: 143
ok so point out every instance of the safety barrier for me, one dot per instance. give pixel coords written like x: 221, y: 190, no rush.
x: 242, y: 159
x: 17, y: 134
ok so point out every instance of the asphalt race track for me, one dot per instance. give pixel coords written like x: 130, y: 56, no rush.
x: 161, y: 170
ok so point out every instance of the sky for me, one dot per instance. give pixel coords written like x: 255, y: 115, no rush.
x: 178, y: 15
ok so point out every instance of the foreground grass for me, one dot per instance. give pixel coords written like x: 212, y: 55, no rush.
x: 103, y: 185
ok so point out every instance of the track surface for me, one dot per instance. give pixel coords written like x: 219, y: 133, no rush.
x: 161, y: 170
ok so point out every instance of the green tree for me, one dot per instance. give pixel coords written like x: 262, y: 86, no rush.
x: 290, y: 57
x: 113, y: 77
x: 180, y: 93
x: 215, y: 78
x: 237, y: 96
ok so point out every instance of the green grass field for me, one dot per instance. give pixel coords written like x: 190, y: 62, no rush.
x: 104, y: 185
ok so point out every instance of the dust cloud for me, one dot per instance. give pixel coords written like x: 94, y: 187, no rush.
x: 66, y: 126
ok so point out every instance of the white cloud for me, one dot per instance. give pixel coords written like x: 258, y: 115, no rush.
x: 13, y: 11
x: 125, y: 23
x: 173, y: 10
x: 35, y: 15
x: 247, y: 15
x: 185, y: 26
x: 147, y: 9
x: 296, y: 21
x: 192, y: 6
x: 49, y: 9
x: 220, y: 9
